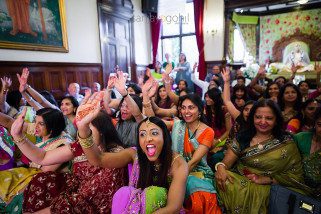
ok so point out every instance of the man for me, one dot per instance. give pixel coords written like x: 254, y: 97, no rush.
x: 73, y: 90
x: 96, y: 87
x: 240, y: 79
x: 215, y: 75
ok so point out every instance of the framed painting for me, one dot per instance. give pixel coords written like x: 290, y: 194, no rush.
x: 38, y: 25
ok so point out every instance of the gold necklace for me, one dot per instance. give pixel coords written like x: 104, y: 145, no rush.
x: 259, y: 141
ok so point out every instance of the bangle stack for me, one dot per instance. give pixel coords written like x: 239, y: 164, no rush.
x: 219, y: 163
x: 86, y: 143
x: 21, y: 140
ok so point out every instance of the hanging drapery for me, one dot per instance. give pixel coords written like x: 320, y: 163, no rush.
x: 248, y: 33
x: 230, y: 48
x: 199, y: 17
x: 155, y: 26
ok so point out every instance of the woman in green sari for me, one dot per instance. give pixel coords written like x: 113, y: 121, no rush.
x: 309, y: 144
x: 264, y: 155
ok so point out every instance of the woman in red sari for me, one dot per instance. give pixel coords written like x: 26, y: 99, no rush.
x: 87, y: 189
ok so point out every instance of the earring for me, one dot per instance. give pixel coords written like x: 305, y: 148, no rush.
x: 199, y: 115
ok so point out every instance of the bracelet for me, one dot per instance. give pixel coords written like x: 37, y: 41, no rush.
x: 219, y: 163
x: 21, y: 140
x: 29, y: 100
x: 86, y: 143
x: 147, y: 105
x: 5, y: 91
x: 28, y: 86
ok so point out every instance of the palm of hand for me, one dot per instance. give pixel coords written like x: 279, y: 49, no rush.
x: 89, y: 107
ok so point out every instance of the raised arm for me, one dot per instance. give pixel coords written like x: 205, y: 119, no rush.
x: 6, y: 83
x: 107, y: 98
x: 6, y: 121
x: 121, y: 87
x: 167, y: 83
x: 35, y: 154
x: 227, y: 96
x: 177, y: 188
x: 149, y: 89
x: 86, y: 112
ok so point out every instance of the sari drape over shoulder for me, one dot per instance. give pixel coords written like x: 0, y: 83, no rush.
x: 200, y: 196
x: 274, y: 158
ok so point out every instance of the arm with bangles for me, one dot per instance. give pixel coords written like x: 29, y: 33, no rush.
x: 107, y: 94
x: 52, y: 159
x: 86, y: 112
x: 177, y: 188
x: 148, y: 93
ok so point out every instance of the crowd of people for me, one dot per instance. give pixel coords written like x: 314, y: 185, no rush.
x: 157, y: 146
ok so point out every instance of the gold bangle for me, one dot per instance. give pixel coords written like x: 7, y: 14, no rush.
x: 86, y: 143
x: 21, y: 140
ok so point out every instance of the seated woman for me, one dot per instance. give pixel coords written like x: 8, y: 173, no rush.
x: 192, y: 138
x: 309, y: 144
x: 239, y: 96
x: 272, y: 91
x: 48, y: 129
x: 264, y: 155
x: 158, y: 176
x: 87, y: 189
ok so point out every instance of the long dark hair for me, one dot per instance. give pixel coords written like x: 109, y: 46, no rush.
x: 137, y: 100
x: 54, y: 121
x: 298, y: 102
x: 244, y: 137
x: 196, y: 100
x: 219, y: 118
x: 104, y: 125
x: 147, y: 172
x: 239, y: 87
x: 266, y: 93
x: 13, y: 99
x: 167, y: 102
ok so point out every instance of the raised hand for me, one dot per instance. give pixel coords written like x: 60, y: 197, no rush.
x: 88, y: 106
x: 23, y: 79
x: 17, y: 125
x: 6, y: 82
x: 111, y: 82
x: 195, y: 66
x: 153, y: 89
x: 261, y: 70
x: 168, y: 68
x: 120, y: 83
x: 226, y: 75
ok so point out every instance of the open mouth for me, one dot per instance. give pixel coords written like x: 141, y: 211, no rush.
x: 151, y: 150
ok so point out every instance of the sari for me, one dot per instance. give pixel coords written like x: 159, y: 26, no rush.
x: 14, y: 181
x: 311, y: 162
x: 275, y: 158
x: 200, y: 196
x: 71, y: 129
x: 88, y: 189
x: 130, y: 199
x: 7, y: 149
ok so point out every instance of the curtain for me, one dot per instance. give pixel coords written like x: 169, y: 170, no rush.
x: 155, y: 26
x: 230, y: 48
x: 199, y: 17
x: 248, y: 32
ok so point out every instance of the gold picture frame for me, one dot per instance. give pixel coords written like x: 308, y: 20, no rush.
x: 37, y: 25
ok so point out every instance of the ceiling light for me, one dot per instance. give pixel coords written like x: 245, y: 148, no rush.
x: 302, y: 1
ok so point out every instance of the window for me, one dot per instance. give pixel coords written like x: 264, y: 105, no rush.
x: 178, y: 36
x: 239, y: 53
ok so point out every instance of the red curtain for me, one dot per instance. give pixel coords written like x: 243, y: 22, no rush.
x: 199, y: 17
x: 155, y: 26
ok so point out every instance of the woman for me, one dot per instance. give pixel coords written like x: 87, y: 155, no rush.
x: 181, y: 86
x: 192, y: 138
x: 304, y: 89
x: 219, y: 120
x: 272, y: 91
x: 162, y: 99
x: 290, y: 100
x: 48, y: 129
x: 309, y: 144
x: 239, y: 96
x: 158, y: 176
x: 263, y: 155
x: 87, y: 189
x: 183, y: 70
x: 68, y: 107
x: 306, y: 122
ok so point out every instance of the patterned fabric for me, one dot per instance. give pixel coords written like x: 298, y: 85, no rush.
x: 87, y: 189
x: 71, y: 129
x: 279, y: 159
x: 129, y: 199
x: 200, y: 181
x: 230, y: 49
x: 7, y: 149
x: 248, y: 32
